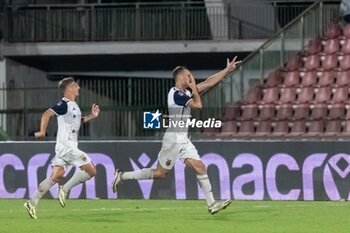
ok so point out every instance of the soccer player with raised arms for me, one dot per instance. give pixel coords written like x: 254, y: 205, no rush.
x: 67, y: 152
x: 176, y: 144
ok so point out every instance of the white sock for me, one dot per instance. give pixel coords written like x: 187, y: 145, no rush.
x: 77, y: 178
x: 143, y: 174
x: 204, y: 183
x: 43, y: 187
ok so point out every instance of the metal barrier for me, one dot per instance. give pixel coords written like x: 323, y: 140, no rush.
x: 272, y: 54
x: 122, y: 102
x: 148, y: 21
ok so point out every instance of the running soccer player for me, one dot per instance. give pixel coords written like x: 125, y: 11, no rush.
x: 67, y: 151
x: 176, y: 144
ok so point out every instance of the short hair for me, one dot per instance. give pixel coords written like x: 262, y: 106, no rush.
x: 65, y: 82
x: 178, y: 70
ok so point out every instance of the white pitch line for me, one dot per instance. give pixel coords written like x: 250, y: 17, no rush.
x: 235, y: 205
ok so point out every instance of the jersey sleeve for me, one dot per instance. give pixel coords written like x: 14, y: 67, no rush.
x: 60, y: 108
x: 181, y: 99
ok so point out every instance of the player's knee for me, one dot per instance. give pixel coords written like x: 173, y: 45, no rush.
x: 92, y: 172
x: 57, y: 178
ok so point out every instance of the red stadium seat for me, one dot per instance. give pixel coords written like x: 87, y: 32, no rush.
x: 344, y: 63
x: 333, y: 30
x: 340, y: 94
x: 315, y: 128
x: 333, y: 127
x: 249, y: 112
x: 228, y: 128
x: 292, y: 79
x: 309, y: 79
x: 270, y: 95
x: 330, y: 62
x: 284, y: 112
x: 312, y: 62
x: 305, y: 95
x: 336, y: 111
x: 318, y: 111
x: 264, y: 128
x: 246, y: 128
x: 267, y: 112
x: 326, y: 78
x: 323, y: 94
x: 343, y: 78
x: 301, y: 111
x: 232, y: 112
x: 298, y: 128
x: 288, y: 95
x: 332, y: 46
x: 273, y: 79
x: 254, y: 94
x: 346, y: 47
x: 281, y: 128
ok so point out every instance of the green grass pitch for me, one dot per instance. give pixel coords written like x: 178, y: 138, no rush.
x: 166, y: 216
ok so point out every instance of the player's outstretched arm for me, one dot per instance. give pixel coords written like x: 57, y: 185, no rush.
x: 44, y: 123
x: 95, y: 111
x: 196, y: 101
x: 216, y: 78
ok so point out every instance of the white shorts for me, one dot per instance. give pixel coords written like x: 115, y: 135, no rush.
x: 74, y: 157
x: 171, y: 152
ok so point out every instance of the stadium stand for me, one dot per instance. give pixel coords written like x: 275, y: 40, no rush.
x: 308, y: 96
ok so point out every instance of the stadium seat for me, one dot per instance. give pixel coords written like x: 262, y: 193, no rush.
x: 314, y: 46
x: 336, y: 111
x: 323, y: 94
x: 344, y: 63
x: 346, y: 47
x: 343, y: 78
x: 284, y: 112
x: 294, y: 63
x: 332, y: 46
x: 273, y: 79
x: 249, y: 112
x: 228, y: 128
x: 315, y: 128
x: 346, y: 32
x: 232, y: 112
x: 292, y: 79
x: 305, y: 95
x: 326, y: 78
x: 333, y: 30
x: 329, y: 62
x: 281, y: 128
x: 298, y: 128
x: 318, y: 111
x: 346, y: 128
x: 210, y: 132
x: 340, y: 94
x: 270, y: 95
x: 288, y: 95
x: 312, y: 62
x: 301, y: 111
x: 333, y: 127
x: 309, y: 78
x: 246, y: 128
x: 254, y: 94
x: 264, y: 128
x: 267, y: 112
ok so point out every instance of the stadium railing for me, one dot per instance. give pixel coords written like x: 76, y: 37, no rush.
x: 148, y: 21
x: 271, y: 55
